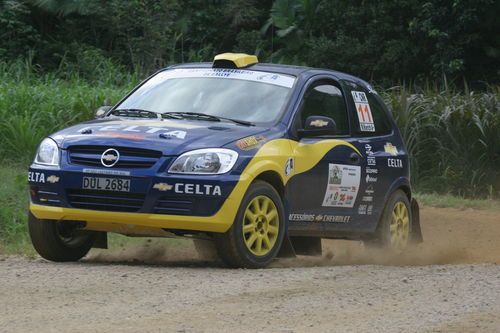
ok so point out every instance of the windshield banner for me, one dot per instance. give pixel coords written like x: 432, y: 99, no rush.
x: 226, y: 73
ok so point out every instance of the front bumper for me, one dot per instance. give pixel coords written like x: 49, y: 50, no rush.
x: 220, y: 222
x: 206, y: 203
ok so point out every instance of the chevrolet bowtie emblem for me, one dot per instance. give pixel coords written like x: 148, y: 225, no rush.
x: 109, y: 157
x: 53, y: 179
x: 389, y: 148
x: 162, y: 186
x: 318, y: 123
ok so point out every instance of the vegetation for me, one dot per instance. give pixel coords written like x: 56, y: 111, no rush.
x: 33, y: 106
x: 382, y: 41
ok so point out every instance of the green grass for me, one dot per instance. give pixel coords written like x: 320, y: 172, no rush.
x: 450, y: 201
x: 33, y: 106
x: 14, y: 199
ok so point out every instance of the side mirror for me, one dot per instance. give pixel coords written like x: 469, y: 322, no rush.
x: 317, y: 126
x: 99, y: 113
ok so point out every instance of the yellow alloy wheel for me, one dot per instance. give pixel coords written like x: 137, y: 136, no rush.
x: 260, y: 225
x: 400, y: 227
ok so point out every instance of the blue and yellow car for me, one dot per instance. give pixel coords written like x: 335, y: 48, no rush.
x: 263, y: 159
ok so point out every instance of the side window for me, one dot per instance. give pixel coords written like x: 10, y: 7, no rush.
x: 324, y: 99
x: 371, y: 118
x: 382, y: 124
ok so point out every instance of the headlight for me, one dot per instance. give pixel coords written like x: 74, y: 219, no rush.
x: 48, y: 153
x: 211, y: 161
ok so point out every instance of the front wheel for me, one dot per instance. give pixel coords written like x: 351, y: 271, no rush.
x: 59, y: 241
x: 256, y: 235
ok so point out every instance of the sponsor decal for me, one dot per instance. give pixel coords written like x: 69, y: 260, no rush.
x: 371, y: 170
x: 133, y: 132
x: 37, y: 177
x: 107, y: 172
x: 199, y: 189
x: 369, y: 189
x: 250, y: 142
x: 118, y: 135
x: 173, y: 134
x: 390, y: 149
x: 238, y: 74
x: 370, y: 160
x: 301, y: 217
x: 362, y: 209
x: 364, y: 112
x: 368, y: 150
x: 305, y: 217
x: 318, y: 123
x: 289, y: 167
x: 369, y: 210
x: 333, y: 218
x: 343, y: 185
x: 367, y: 198
x: 162, y: 186
x: 394, y: 163
x: 370, y: 179
x: 270, y: 77
x: 52, y: 179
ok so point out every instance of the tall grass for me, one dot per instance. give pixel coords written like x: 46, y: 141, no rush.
x: 453, y: 137
x: 33, y: 105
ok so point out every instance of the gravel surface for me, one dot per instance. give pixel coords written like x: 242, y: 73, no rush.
x: 150, y: 291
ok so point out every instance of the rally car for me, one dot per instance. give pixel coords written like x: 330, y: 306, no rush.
x: 263, y: 159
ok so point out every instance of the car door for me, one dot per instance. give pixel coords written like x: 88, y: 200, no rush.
x: 326, y: 195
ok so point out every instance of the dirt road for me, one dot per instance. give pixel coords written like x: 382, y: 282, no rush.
x: 450, y: 283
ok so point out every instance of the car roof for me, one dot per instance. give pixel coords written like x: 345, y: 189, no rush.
x: 283, y: 69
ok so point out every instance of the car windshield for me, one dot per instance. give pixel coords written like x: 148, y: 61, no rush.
x: 250, y: 96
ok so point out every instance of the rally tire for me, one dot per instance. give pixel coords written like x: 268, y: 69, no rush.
x: 54, y: 245
x: 394, y: 231
x: 236, y: 248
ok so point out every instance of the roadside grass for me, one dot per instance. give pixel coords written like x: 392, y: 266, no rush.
x: 451, y: 201
x: 14, y: 201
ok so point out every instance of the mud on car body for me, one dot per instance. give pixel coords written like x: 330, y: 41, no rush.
x: 263, y: 159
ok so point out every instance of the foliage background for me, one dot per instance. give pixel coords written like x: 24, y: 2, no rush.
x: 435, y: 63
x: 384, y: 41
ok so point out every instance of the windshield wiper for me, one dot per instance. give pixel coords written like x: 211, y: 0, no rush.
x: 142, y: 113
x: 210, y: 117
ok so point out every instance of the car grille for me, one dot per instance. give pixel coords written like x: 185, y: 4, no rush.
x: 106, y: 200
x: 132, y: 158
x: 166, y: 205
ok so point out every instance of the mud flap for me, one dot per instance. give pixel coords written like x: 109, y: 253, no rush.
x: 307, y: 246
x: 101, y: 240
x: 416, y: 230
x: 286, y: 250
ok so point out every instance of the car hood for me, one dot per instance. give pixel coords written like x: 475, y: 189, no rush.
x: 171, y: 137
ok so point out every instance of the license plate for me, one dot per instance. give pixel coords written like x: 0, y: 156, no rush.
x: 106, y: 184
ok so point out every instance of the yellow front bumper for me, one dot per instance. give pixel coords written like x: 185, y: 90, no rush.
x: 220, y: 222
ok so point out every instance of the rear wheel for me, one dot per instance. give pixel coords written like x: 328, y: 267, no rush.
x: 256, y: 235
x: 59, y: 241
x: 395, y: 229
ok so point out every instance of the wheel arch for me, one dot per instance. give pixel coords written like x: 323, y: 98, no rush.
x: 274, y: 179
